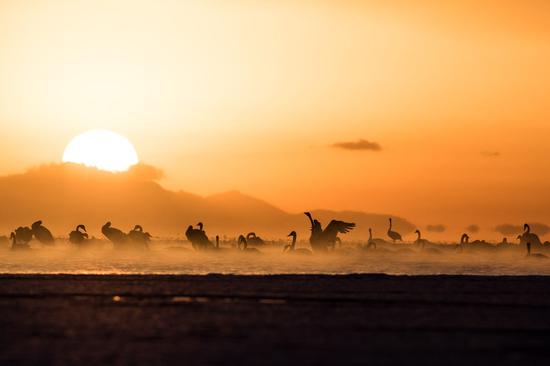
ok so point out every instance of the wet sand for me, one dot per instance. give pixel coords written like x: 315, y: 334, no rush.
x: 290, y: 319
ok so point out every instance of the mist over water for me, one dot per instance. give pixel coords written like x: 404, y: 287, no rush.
x: 179, y: 258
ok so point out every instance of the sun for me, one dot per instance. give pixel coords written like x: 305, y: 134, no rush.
x: 102, y: 149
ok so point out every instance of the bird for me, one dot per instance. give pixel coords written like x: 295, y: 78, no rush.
x: 42, y: 234
x: 16, y: 245
x: 291, y: 248
x: 320, y: 239
x: 419, y: 240
x: 242, y: 245
x: 116, y: 236
x: 463, y: 240
x: 530, y: 237
x: 252, y: 239
x: 198, y: 237
x: 140, y: 238
x: 371, y: 243
x: 393, y: 235
x: 534, y: 255
x: 78, y: 237
x: 23, y: 235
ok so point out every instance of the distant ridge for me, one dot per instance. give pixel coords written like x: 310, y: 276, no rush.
x: 64, y: 195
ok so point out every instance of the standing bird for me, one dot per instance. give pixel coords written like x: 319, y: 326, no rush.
x: 78, y: 237
x: 198, y: 238
x: 291, y: 248
x: 137, y: 236
x: 243, y: 246
x: 23, y: 235
x: 16, y: 245
x: 41, y: 233
x: 394, y: 235
x: 464, y: 239
x: 321, y: 240
x: 116, y: 236
x: 529, y: 237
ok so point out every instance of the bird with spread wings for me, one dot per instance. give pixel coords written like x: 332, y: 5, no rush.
x: 321, y: 240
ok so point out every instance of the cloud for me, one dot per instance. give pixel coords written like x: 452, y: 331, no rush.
x: 473, y: 228
x: 438, y: 228
x: 358, y: 145
x: 490, y: 154
x: 509, y: 229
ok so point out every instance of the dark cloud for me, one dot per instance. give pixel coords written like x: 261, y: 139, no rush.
x: 509, y: 229
x: 490, y: 154
x: 473, y: 228
x: 358, y: 145
x: 438, y: 228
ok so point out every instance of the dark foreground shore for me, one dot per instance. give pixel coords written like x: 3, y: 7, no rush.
x: 286, y: 320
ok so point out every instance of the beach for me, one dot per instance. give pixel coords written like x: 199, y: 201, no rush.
x: 274, y: 319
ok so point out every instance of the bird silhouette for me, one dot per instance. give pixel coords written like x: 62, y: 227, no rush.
x: 291, y: 248
x: 242, y: 245
x: 419, y: 240
x: 17, y: 243
x: 534, y: 255
x: 139, y: 238
x: 42, y: 234
x: 198, y: 238
x: 321, y: 240
x: 371, y: 243
x: 116, y: 236
x: 393, y: 235
x: 252, y: 239
x: 23, y: 235
x: 530, y: 237
x: 77, y: 236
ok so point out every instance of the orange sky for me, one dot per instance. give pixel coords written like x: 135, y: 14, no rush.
x: 251, y: 95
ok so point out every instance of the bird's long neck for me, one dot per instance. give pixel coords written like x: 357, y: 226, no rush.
x: 370, y: 234
x: 419, y: 235
x: 217, y: 241
x: 527, y: 229
x: 13, y: 239
x: 390, y: 226
x: 293, y: 241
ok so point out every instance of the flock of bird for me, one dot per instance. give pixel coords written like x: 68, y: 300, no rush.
x: 321, y: 240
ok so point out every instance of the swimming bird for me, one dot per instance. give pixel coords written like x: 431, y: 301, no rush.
x: 77, y: 236
x: 463, y: 240
x: 140, y: 238
x: 534, y: 255
x: 530, y: 237
x: 371, y: 243
x: 291, y: 248
x: 41, y: 233
x: 320, y: 239
x: 116, y: 236
x: 198, y: 237
x: 252, y: 239
x: 419, y: 240
x: 243, y: 246
x: 393, y: 235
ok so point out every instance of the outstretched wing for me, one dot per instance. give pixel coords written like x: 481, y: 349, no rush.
x: 335, y: 227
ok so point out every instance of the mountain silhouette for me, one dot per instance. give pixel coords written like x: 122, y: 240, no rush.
x: 63, y: 195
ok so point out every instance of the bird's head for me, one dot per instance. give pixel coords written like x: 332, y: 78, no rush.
x: 36, y: 224
x: 308, y: 214
x: 293, y: 234
x: 417, y: 231
x: 107, y: 224
x: 200, y: 225
x: 250, y: 235
x: 526, y: 228
x: 138, y: 228
x: 81, y: 227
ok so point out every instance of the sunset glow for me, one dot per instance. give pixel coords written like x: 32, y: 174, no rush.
x: 101, y: 149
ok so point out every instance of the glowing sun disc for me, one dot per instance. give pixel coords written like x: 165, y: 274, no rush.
x: 101, y: 149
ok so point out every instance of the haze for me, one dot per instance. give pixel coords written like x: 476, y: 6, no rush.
x: 434, y: 112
